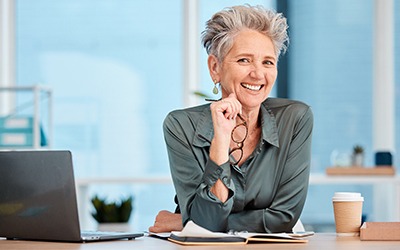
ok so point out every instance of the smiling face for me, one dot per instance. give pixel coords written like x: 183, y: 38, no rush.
x: 249, y: 69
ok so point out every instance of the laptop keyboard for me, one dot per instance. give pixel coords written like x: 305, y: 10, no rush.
x: 97, y: 233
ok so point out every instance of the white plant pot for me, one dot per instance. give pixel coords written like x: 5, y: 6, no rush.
x: 358, y: 160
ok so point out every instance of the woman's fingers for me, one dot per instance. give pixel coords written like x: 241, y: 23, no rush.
x: 224, y: 113
x: 233, y: 106
x: 166, y: 221
x: 229, y: 107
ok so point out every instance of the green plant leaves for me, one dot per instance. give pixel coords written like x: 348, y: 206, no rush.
x: 106, y: 212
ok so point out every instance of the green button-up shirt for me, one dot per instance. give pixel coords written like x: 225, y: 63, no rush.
x: 267, y: 192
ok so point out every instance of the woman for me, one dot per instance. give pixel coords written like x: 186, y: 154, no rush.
x: 242, y: 162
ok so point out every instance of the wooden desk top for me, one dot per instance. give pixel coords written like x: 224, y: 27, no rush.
x: 318, y: 241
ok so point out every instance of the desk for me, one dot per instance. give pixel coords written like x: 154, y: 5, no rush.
x: 317, y: 242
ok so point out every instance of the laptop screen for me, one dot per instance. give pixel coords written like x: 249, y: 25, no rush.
x: 37, y: 197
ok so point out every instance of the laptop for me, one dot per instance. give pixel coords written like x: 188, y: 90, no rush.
x: 38, y: 199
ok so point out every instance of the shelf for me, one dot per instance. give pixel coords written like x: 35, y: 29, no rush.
x: 381, y: 170
x: 23, y: 122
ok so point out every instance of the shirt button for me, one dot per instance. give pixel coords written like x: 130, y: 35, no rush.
x: 219, y: 171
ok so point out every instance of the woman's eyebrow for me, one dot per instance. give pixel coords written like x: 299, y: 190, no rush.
x: 271, y: 57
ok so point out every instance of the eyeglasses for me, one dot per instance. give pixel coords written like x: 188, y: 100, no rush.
x: 238, y: 136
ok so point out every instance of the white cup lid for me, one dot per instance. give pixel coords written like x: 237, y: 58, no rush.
x: 347, y: 196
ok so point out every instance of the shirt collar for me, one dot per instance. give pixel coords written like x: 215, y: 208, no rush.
x: 268, y: 123
x: 204, y: 130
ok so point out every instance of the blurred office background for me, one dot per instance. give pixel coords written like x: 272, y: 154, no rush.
x: 117, y: 67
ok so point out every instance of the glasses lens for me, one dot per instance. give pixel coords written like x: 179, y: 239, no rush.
x: 239, y: 133
x: 236, y: 155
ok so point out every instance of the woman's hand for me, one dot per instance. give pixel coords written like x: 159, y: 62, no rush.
x: 166, y: 222
x: 224, y: 113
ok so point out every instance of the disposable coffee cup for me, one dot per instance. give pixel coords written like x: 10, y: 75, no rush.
x: 347, y: 208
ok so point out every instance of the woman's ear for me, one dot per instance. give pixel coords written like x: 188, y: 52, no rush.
x: 214, y: 67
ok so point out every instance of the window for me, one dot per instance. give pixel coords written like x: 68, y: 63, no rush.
x: 331, y: 69
x: 115, y: 70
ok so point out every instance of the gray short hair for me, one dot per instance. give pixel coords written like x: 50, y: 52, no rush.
x: 217, y: 38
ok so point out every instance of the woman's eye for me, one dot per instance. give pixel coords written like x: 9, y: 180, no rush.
x: 268, y: 62
x: 244, y: 60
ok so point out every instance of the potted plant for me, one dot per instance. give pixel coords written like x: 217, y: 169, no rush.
x: 358, y: 156
x: 112, y: 216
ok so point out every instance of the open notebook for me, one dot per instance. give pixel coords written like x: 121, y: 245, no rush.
x: 38, y: 199
x: 193, y: 234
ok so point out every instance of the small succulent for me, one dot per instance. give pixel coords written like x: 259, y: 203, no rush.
x: 358, y: 149
x: 106, y: 212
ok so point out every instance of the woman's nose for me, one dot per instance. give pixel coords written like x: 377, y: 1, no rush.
x: 257, y: 72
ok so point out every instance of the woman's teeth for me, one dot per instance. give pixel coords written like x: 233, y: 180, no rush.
x: 252, y: 87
